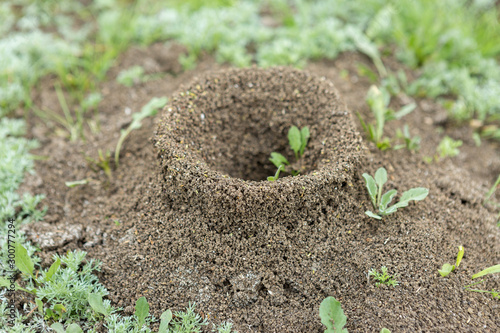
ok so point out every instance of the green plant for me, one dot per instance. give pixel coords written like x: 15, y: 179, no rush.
x: 447, y: 268
x: 276, y: 176
x: 148, y: 110
x: 297, y: 139
x: 489, y: 270
x: 378, y: 100
x: 492, y: 190
x: 103, y: 163
x: 380, y: 202
x: 129, y: 77
x: 448, y: 147
x: 410, y: 143
x: 383, y: 278
x: 332, y: 315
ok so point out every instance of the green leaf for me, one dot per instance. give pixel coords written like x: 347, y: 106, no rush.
x: 405, y: 110
x: 165, y: 318
x: 446, y: 269
x: 332, y: 316
x: 148, y: 110
x: 23, y: 261
x: 53, y: 268
x: 489, y: 270
x: 460, y: 255
x: 385, y: 330
x: 386, y: 199
x: 4, y: 282
x: 304, y: 137
x: 58, y: 327
x: 76, y: 183
x: 95, y: 301
x: 416, y: 194
x: 372, y: 188
x: 294, y: 139
x: 59, y: 308
x: 381, y: 177
x: 141, y: 310
x: 277, y: 159
x: 375, y: 216
x: 74, y: 328
x: 39, y: 304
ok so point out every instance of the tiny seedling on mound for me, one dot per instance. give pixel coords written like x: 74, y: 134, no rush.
x: 490, y: 270
x: 447, y: 268
x: 298, y: 141
x: 381, y: 202
x: 383, y: 278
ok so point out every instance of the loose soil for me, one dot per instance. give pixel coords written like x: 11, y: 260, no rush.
x: 189, y: 216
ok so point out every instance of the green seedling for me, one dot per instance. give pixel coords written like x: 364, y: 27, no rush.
x: 103, y: 163
x: 131, y: 76
x: 492, y: 190
x: 380, y: 202
x: 72, y: 328
x: 332, y: 316
x: 297, y: 140
x: 448, y: 147
x: 385, y: 330
x: 76, y: 183
x: 148, y: 110
x: 410, y: 143
x: 276, y: 175
x: 447, y: 268
x: 490, y: 270
x: 378, y: 100
x: 383, y: 278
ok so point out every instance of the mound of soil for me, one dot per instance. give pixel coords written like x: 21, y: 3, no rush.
x: 198, y: 222
x: 215, y: 139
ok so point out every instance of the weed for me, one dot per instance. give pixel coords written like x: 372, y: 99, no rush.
x: 492, y: 190
x: 332, y: 315
x: 276, y: 176
x: 489, y: 270
x: 103, y: 163
x: 297, y: 139
x: 131, y: 76
x: 148, y: 110
x: 383, y: 278
x: 76, y: 183
x: 378, y: 100
x: 410, y: 143
x: 448, y: 147
x: 380, y: 202
x: 447, y: 268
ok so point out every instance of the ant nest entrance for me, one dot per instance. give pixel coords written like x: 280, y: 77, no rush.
x: 215, y: 138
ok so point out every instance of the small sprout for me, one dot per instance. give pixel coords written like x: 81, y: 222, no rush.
x: 383, y: 278
x: 490, y: 270
x: 131, y: 76
x: 103, y: 163
x: 380, y: 202
x: 76, y: 183
x: 385, y: 330
x: 447, y: 268
x: 410, y: 143
x: 448, y: 147
x: 166, y: 318
x: 141, y: 311
x: 276, y: 175
x: 332, y: 315
x: 378, y: 100
x: 97, y: 304
x: 148, y: 110
x: 298, y: 141
x: 492, y: 190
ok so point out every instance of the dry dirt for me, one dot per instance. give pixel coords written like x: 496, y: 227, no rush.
x: 197, y: 222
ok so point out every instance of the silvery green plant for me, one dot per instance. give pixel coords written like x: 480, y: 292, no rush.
x: 381, y: 201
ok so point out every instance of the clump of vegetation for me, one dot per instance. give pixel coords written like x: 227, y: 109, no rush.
x: 129, y: 77
x: 380, y: 202
x: 409, y: 142
x: 448, y: 147
x: 378, y: 100
x: 490, y: 270
x: 447, y: 268
x: 297, y: 140
x: 383, y: 277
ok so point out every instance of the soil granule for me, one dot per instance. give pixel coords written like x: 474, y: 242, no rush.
x: 198, y: 222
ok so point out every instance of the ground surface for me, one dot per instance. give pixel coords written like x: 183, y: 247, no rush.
x: 272, y: 277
